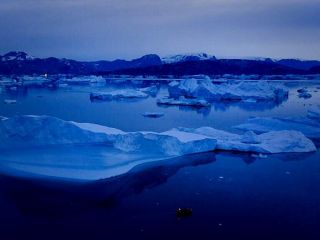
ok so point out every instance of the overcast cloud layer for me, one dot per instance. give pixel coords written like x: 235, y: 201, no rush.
x: 108, y: 29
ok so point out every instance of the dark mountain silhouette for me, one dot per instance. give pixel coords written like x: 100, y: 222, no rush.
x: 18, y: 63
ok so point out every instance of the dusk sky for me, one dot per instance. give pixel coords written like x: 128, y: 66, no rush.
x: 109, y: 29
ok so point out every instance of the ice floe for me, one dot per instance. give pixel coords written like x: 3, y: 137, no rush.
x: 182, y: 101
x: 249, y: 91
x: 152, y: 90
x: 118, y: 94
x: 83, y: 80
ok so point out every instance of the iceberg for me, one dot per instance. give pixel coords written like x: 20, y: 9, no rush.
x: 118, y: 94
x: 182, y: 101
x: 239, y: 91
x: 309, y: 127
x: 83, y: 80
x: 270, y: 142
x: 34, y: 131
x: 30, y: 81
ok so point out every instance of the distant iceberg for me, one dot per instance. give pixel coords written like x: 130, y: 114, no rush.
x: 83, y: 80
x: 118, y: 94
x: 245, y: 91
x: 34, y: 131
x: 309, y: 126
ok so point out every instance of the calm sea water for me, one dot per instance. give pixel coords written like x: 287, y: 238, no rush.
x: 233, y: 196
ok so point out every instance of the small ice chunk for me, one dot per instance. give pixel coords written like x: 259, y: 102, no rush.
x: 152, y: 90
x: 153, y: 114
x: 10, y: 101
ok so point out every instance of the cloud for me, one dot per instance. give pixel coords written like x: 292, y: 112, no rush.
x: 124, y: 28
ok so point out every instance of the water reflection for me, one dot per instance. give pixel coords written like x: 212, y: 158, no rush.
x: 205, y: 111
x: 258, y: 106
x: 55, y: 198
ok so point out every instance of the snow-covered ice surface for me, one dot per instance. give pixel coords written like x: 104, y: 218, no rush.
x: 248, y: 91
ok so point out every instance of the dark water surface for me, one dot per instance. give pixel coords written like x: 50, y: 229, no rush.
x: 232, y: 195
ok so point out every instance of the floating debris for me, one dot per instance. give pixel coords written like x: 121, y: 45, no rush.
x: 184, y: 212
x: 153, y: 114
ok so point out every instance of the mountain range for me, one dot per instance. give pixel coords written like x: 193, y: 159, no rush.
x: 17, y: 63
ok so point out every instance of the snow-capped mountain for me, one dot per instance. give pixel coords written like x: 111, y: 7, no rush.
x: 187, y: 57
x: 16, y: 56
x: 265, y: 59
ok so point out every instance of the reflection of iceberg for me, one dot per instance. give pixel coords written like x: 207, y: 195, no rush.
x: 246, y: 105
x: 205, y: 111
x: 241, y: 91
